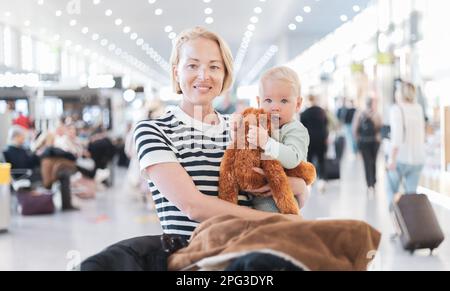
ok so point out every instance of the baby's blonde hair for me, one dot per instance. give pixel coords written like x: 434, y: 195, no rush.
x: 195, y: 33
x: 283, y: 74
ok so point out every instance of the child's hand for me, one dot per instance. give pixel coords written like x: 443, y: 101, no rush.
x: 258, y: 136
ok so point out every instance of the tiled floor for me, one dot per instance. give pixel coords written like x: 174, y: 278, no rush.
x: 58, y: 241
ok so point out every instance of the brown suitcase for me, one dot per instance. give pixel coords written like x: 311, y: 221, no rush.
x: 416, y: 223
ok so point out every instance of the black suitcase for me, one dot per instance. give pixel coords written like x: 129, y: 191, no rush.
x: 332, y: 169
x: 416, y: 223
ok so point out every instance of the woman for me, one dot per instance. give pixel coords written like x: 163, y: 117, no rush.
x: 180, y: 154
x: 407, y: 156
x: 366, y: 130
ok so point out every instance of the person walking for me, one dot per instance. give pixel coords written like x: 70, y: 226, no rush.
x: 366, y: 129
x: 407, y: 155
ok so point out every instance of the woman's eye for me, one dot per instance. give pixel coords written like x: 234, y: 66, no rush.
x: 284, y: 101
x: 268, y: 100
x: 215, y: 68
x: 192, y: 66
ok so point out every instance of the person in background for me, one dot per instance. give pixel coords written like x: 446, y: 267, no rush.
x: 348, y: 126
x: 315, y: 120
x: 407, y: 155
x: 17, y: 155
x: 366, y: 130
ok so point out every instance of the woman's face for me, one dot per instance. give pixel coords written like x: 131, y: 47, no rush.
x: 200, y: 71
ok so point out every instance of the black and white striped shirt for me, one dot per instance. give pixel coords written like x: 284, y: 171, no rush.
x: 198, y: 147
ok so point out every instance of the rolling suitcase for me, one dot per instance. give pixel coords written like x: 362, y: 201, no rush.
x: 332, y: 169
x: 416, y: 223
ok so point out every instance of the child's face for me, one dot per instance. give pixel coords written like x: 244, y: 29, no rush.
x: 279, y: 99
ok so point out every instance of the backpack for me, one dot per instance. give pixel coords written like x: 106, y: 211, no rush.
x: 366, y: 129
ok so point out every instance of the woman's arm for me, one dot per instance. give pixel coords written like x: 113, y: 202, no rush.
x: 178, y: 187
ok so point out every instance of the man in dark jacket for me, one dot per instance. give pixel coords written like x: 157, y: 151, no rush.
x: 315, y: 120
x: 17, y: 155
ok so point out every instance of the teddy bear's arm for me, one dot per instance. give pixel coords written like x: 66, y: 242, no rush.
x: 228, y: 185
x: 281, y: 189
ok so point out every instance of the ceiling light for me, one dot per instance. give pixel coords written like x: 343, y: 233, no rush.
x: 151, y: 1
x: 104, y: 42
x: 209, y: 20
x: 344, y: 18
x: 140, y: 42
x: 73, y: 22
x: 85, y: 30
x: 58, y: 13
x: 206, y: 1
x: 108, y: 12
x: 257, y: 10
x: 307, y: 9
x: 27, y: 23
x: 118, y: 21
x: 254, y: 19
x: 299, y: 18
x: 172, y: 35
x: 40, y: 2
x: 158, y: 11
x: 208, y: 11
x: 292, y: 26
x: 133, y: 36
x: 168, y: 28
x: 126, y: 29
x: 95, y: 36
x: 356, y: 8
x: 251, y: 27
x: 96, y: 2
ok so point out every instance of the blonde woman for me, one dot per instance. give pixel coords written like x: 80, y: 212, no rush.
x: 180, y: 154
x: 407, y: 156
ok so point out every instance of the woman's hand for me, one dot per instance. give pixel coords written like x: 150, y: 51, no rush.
x: 300, y: 189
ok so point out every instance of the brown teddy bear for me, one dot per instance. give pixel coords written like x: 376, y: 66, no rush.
x: 236, y: 169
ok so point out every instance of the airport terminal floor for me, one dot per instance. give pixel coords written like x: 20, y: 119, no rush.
x: 57, y: 242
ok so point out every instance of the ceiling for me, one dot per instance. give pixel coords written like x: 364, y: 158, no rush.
x: 230, y: 19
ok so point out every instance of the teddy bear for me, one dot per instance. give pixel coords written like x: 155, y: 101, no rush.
x: 236, y: 168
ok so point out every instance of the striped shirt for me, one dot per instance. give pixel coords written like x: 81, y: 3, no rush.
x: 197, y: 147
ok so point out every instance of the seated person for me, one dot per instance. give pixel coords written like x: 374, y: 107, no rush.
x: 20, y: 157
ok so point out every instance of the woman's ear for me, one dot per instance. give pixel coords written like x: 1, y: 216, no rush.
x: 175, y: 73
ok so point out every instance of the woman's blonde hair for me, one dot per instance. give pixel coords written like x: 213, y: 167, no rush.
x: 408, y: 92
x: 283, y: 74
x: 195, y: 33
